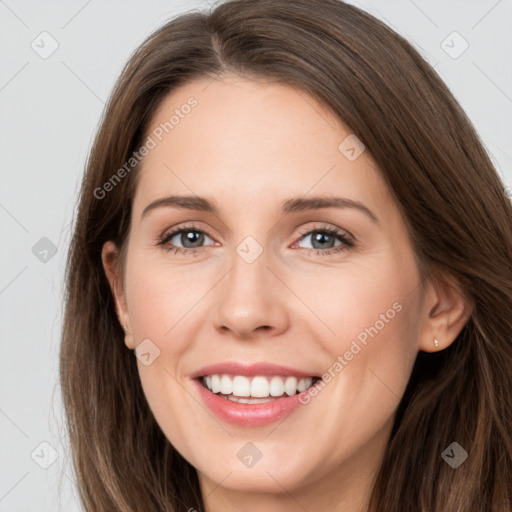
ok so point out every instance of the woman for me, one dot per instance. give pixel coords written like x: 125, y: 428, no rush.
x: 372, y: 374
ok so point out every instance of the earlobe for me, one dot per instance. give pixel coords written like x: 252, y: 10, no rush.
x: 445, y: 315
x: 109, y: 257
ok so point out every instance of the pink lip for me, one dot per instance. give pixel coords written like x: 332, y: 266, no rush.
x: 249, y: 415
x: 251, y: 370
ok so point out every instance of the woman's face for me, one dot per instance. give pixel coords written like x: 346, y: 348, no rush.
x: 255, y: 279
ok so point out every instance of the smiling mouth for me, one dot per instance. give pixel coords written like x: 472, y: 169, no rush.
x: 257, y: 389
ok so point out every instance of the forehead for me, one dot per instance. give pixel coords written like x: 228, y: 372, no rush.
x: 251, y: 139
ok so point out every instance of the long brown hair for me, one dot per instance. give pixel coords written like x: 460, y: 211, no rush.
x: 437, y: 169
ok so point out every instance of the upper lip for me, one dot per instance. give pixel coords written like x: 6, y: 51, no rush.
x: 234, y: 368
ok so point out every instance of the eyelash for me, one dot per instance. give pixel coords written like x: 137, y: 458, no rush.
x: 346, y: 244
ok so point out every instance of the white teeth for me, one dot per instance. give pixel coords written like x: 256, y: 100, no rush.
x: 226, y: 385
x: 241, y: 400
x: 215, y: 384
x: 241, y: 386
x: 256, y: 387
x: 290, y: 386
x: 260, y: 387
x: 276, y: 386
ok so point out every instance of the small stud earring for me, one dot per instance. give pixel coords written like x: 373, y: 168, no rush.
x: 436, y: 343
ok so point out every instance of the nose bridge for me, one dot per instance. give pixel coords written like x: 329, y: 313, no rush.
x: 247, y: 299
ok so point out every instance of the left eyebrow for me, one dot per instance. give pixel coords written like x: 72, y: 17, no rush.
x: 315, y: 203
x: 289, y: 206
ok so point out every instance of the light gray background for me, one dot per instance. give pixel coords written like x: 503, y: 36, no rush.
x: 49, y: 111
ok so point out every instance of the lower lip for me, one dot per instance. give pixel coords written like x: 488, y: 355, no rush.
x: 249, y: 415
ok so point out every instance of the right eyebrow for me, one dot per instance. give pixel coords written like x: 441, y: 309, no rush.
x: 182, y: 202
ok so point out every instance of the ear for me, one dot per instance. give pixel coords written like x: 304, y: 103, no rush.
x: 446, y: 311
x: 112, y: 268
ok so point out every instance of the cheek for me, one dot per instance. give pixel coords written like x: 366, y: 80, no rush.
x: 359, y: 301
x: 372, y: 316
x: 162, y: 298
x: 371, y: 360
x: 161, y: 308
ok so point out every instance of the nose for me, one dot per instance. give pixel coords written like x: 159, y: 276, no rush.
x: 250, y: 300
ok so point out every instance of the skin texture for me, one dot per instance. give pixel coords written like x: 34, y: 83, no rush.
x: 248, y: 146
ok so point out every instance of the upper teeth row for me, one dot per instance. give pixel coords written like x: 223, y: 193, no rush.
x: 257, y: 387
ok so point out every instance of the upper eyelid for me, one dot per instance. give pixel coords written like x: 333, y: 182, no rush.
x: 324, y: 226
x: 305, y: 231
